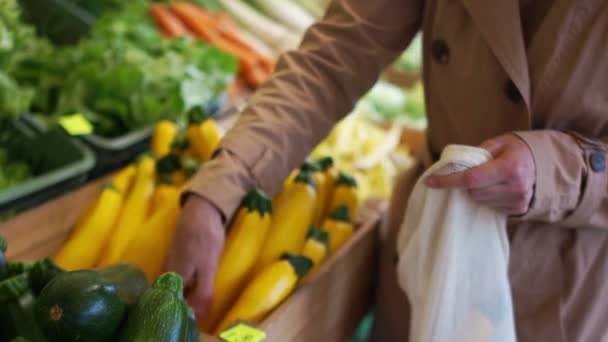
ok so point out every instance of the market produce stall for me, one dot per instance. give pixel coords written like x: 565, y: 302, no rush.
x: 103, y: 121
x: 328, y: 304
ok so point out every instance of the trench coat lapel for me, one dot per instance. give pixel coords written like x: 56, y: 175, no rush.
x: 500, y: 24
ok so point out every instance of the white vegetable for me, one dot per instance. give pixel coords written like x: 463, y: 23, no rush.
x: 313, y: 7
x: 287, y: 13
x: 257, y: 44
x: 268, y: 30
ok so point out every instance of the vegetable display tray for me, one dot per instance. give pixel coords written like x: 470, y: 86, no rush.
x: 327, y: 307
x: 65, y: 162
x: 114, y: 153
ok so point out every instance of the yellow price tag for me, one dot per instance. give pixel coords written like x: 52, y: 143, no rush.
x: 76, y: 124
x: 243, y: 333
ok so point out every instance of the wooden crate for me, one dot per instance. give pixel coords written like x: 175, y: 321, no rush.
x: 325, y: 308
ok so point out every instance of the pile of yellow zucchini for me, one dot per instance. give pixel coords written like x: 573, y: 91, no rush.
x: 144, y: 194
x: 271, y: 244
x: 268, y: 252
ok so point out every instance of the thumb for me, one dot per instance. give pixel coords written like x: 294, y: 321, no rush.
x: 494, y: 146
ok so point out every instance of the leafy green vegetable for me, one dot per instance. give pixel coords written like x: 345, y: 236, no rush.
x: 123, y: 76
x: 388, y: 102
x: 411, y: 59
x: 14, y: 38
x: 13, y: 170
x: 415, y: 105
x: 13, y: 98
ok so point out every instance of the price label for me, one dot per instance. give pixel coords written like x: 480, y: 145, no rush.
x: 243, y: 333
x: 76, y: 124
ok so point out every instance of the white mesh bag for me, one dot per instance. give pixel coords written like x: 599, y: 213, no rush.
x: 453, y: 259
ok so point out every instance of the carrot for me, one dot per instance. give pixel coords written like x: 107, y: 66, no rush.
x: 193, y: 21
x: 255, y: 77
x: 246, y: 59
x: 203, y: 28
x: 267, y: 65
x: 255, y: 67
x: 169, y: 23
x: 235, y: 88
x: 224, y: 25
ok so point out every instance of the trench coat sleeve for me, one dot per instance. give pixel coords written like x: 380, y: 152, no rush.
x: 312, y: 88
x: 571, y: 179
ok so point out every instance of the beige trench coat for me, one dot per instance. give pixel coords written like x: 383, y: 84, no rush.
x: 481, y: 81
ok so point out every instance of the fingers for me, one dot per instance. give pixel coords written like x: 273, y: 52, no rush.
x: 176, y: 260
x: 196, y: 251
x: 502, y: 191
x: 494, y: 146
x: 200, y: 294
x: 505, y: 183
x: 505, y: 198
x: 488, y: 174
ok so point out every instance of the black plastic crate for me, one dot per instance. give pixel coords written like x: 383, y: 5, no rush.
x: 60, y: 173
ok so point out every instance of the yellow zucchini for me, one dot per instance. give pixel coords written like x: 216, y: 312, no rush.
x: 163, y: 135
x: 331, y: 175
x: 345, y: 193
x: 243, y: 244
x: 267, y: 290
x: 292, y: 216
x: 316, y: 247
x: 163, y: 192
x: 133, y: 214
x: 203, y: 135
x: 150, y: 245
x: 320, y: 181
x: 82, y: 250
x: 339, y: 227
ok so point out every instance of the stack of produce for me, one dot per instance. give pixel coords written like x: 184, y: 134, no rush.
x: 134, y: 218
x: 270, y: 247
x: 255, y: 31
x: 187, y: 19
x: 268, y: 251
x: 372, y: 154
x: 123, y: 75
x: 40, y: 302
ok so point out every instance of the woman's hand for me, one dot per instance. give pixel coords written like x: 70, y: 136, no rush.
x: 196, y: 251
x: 505, y: 183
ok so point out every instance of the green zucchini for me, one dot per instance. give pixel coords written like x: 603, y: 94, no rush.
x: 16, y: 310
x: 191, y: 333
x: 42, y: 273
x: 3, y: 266
x: 3, y: 261
x: 88, y: 305
x: 160, y: 313
x: 14, y: 268
x: 13, y: 287
x: 17, y: 320
x: 129, y: 280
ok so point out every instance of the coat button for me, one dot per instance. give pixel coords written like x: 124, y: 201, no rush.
x: 598, y: 161
x: 512, y: 92
x: 440, y: 51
